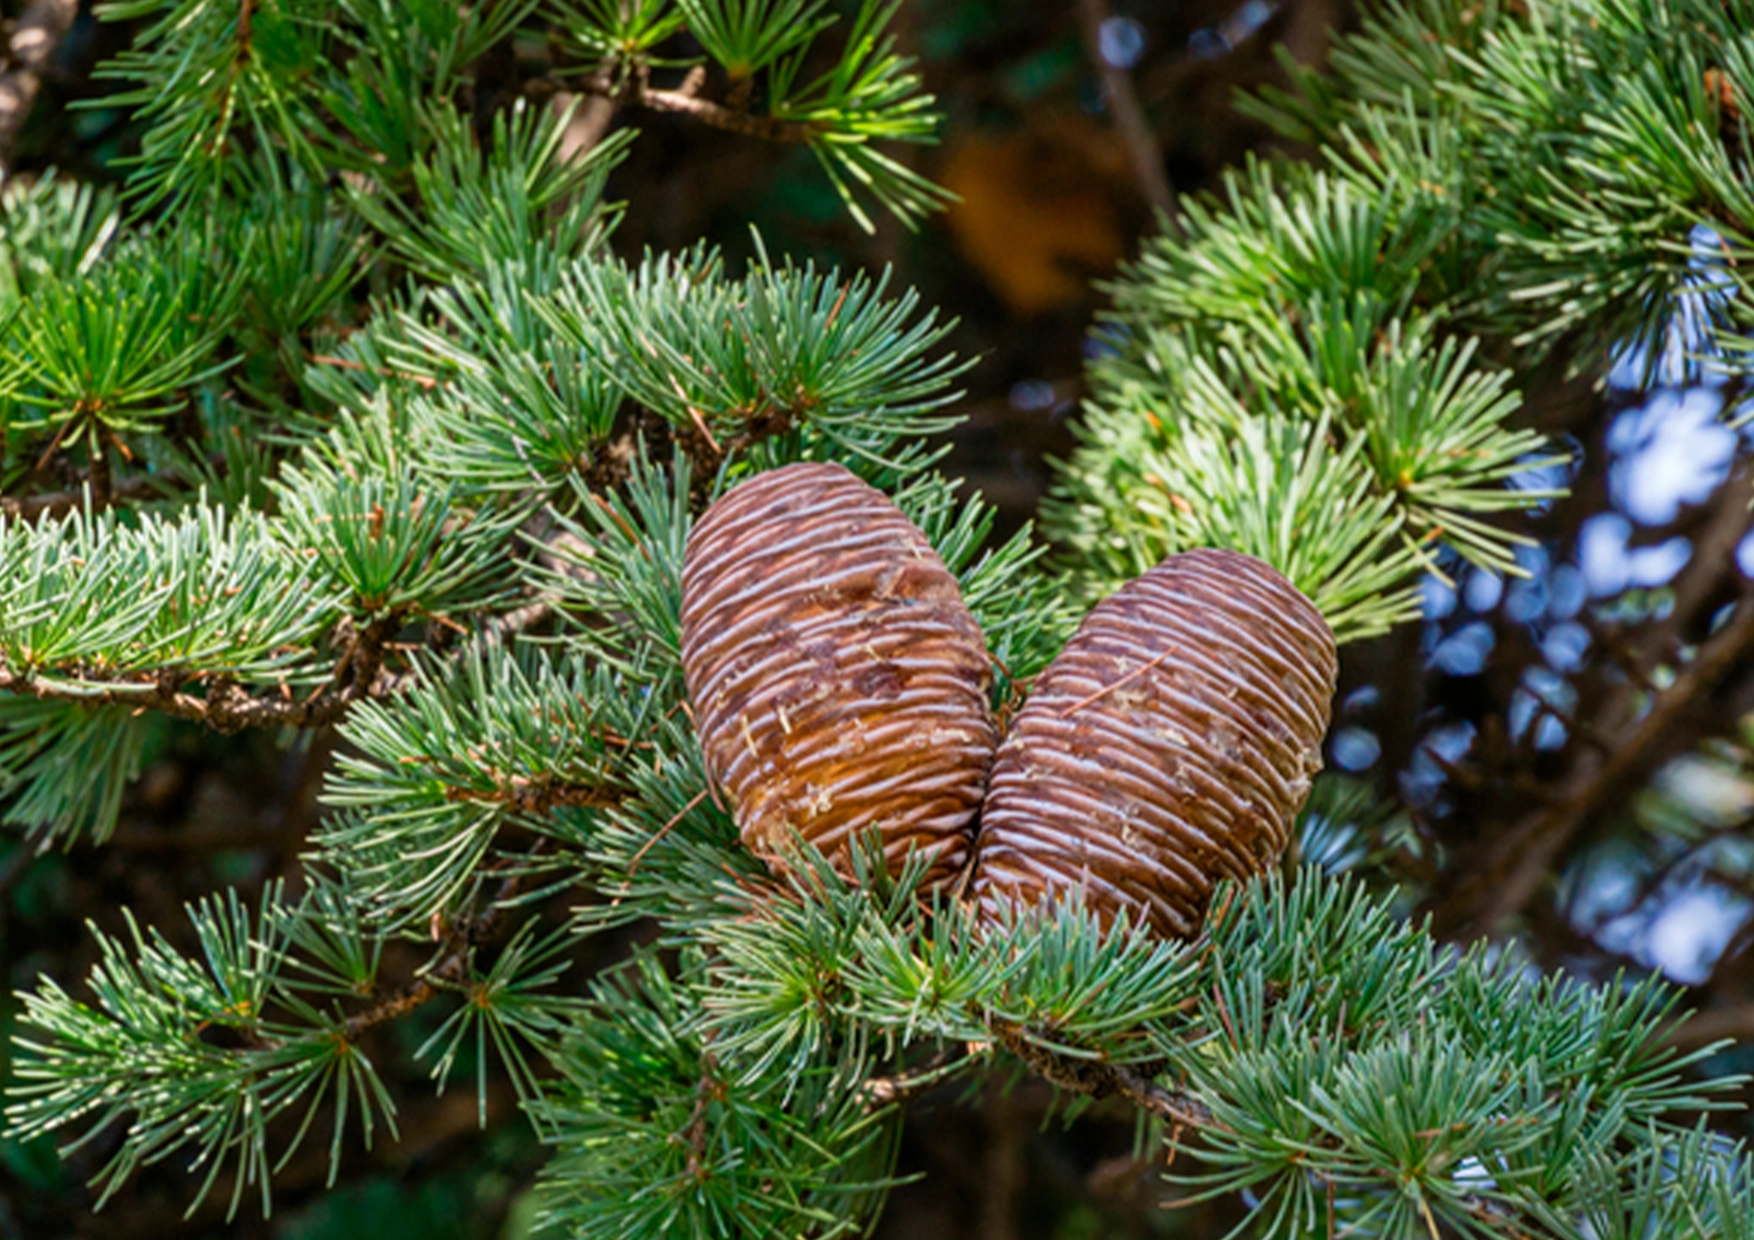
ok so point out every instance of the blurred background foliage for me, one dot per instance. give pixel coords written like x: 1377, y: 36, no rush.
x: 1448, y: 733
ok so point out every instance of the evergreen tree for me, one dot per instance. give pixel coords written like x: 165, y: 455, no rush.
x: 449, y: 521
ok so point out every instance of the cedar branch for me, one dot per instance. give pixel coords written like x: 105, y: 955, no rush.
x: 462, y: 937
x: 1100, y: 1080
x: 226, y: 706
x: 524, y: 795
x: 686, y: 101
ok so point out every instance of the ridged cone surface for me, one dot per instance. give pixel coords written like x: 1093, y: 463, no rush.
x: 1169, y: 746
x: 838, y: 680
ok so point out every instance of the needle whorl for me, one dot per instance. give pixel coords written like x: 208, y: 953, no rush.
x: 838, y: 680
x: 1169, y: 746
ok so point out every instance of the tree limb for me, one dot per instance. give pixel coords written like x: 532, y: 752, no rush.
x: 39, y: 29
x: 1100, y: 1080
x: 1173, y: 1106
x: 537, y: 796
x: 685, y: 100
x: 1713, y: 1025
x: 717, y: 116
x: 1721, y: 526
x: 1131, y: 123
x: 463, y: 936
x: 882, y: 1091
x: 226, y: 706
x: 404, y: 999
x: 54, y: 504
x: 1521, y: 860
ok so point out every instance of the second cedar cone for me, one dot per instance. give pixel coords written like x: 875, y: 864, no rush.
x: 839, y: 682
x: 1170, y: 745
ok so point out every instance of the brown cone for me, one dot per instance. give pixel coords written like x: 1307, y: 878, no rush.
x: 1169, y: 746
x: 838, y: 680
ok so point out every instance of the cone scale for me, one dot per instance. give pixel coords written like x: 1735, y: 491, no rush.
x: 1169, y: 746
x: 838, y: 680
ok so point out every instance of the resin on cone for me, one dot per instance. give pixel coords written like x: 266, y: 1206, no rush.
x: 838, y: 680
x: 1169, y: 746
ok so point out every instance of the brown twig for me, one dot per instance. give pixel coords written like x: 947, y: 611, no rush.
x: 707, y: 1090
x: 524, y: 795
x: 103, y: 492
x: 664, y: 830
x: 1172, y: 1105
x: 1101, y: 1080
x: 903, y: 1087
x: 717, y: 116
x: 240, y: 57
x: 60, y: 503
x: 514, y: 622
x: 1131, y: 123
x: 226, y: 706
x: 393, y: 1005
x: 463, y: 937
x: 686, y: 100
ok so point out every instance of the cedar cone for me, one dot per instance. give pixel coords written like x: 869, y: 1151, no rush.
x: 839, y: 682
x: 1170, y: 745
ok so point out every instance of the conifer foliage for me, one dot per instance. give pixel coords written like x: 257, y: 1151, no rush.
x: 449, y: 521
